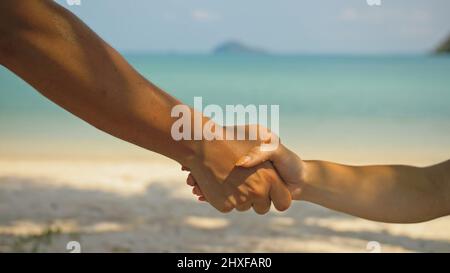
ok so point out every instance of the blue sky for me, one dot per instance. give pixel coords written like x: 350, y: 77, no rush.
x: 282, y: 26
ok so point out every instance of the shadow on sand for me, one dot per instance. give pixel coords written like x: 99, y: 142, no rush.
x: 36, y: 216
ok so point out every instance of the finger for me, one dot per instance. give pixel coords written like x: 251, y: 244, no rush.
x: 254, y: 157
x: 226, y: 207
x: 280, y: 195
x: 191, y: 180
x: 261, y: 206
x: 202, y: 199
x: 244, y: 207
x: 196, y: 191
x: 200, y: 193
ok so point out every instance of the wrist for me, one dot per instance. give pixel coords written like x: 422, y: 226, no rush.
x: 215, y: 154
x: 309, y: 181
x: 192, y: 150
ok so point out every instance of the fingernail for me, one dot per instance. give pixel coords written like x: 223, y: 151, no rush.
x: 243, y: 160
x: 267, y: 138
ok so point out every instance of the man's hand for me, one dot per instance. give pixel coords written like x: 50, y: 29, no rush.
x: 227, y: 186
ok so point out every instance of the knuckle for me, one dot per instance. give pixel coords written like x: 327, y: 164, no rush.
x: 254, y: 152
x: 225, y: 208
x: 262, y: 211
x: 242, y: 200
x: 257, y: 193
x: 242, y: 208
x: 282, y: 207
x: 267, y: 174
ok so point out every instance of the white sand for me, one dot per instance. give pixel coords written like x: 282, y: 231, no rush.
x: 146, y: 207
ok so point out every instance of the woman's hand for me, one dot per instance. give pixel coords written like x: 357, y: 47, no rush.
x: 288, y: 164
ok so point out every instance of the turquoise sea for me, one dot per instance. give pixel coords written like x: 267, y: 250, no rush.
x: 357, y: 109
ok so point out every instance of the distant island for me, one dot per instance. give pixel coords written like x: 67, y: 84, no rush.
x: 235, y: 47
x: 444, y: 47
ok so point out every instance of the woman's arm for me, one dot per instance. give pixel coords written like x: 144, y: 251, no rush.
x: 396, y: 194
x: 63, y: 59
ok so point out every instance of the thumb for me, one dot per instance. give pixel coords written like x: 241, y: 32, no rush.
x: 255, y: 157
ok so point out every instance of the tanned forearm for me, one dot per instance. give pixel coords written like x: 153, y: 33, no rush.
x: 62, y: 58
x: 398, y: 194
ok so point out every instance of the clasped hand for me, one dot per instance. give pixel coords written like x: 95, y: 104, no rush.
x: 222, y: 178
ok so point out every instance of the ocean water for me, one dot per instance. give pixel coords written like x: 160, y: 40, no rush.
x: 353, y: 109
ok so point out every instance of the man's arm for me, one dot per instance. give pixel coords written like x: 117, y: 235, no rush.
x: 63, y: 59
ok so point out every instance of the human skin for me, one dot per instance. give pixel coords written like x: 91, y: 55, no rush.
x: 57, y: 54
x: 385, y: 193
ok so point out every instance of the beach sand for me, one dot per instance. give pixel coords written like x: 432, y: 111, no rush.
x: 145, y: 206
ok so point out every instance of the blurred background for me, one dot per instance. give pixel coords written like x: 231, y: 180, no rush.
x: 356, y: 84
